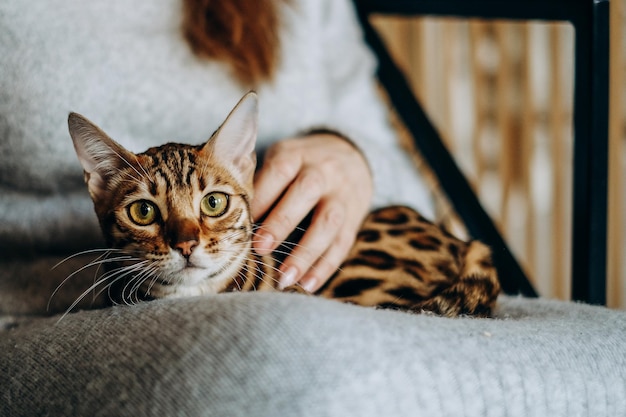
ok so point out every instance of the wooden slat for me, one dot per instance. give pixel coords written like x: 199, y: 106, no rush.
x: 504, y: 117
x: 558, y: 164
x: 616, y: 239
x: 527, y: 139
x: 447, y: 36
x: 477, y: 33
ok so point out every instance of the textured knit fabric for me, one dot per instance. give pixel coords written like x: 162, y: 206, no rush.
x: 260, y: 354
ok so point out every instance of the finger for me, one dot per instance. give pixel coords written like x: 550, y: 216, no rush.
x: 300, y: 198
x: 328, y: 263
x: 279, y: 170
x: 321, y: 235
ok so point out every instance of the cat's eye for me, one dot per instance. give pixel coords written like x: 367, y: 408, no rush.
x: 214, y: 204
x: 143, y: 212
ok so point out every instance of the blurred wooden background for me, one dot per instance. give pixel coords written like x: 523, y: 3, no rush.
x: 500, y: 93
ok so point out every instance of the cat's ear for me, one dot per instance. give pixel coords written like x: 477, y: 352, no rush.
x: 235, y: 139
x: 100, y: 156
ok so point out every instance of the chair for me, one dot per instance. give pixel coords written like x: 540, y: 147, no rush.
x: 590, y: 20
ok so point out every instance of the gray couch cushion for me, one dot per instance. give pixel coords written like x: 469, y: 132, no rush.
x: 280, y: 354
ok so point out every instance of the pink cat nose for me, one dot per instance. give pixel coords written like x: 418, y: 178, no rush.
x: 186, y: 247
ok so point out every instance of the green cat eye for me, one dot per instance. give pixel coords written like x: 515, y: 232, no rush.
x: 214, y: 204
x: 143, y: 212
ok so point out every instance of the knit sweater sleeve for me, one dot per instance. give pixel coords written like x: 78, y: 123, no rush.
x: 359, y: 113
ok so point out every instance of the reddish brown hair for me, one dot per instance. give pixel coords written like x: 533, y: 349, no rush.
x: 242, y: 33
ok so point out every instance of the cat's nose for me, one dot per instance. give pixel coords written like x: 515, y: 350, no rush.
x: 186, y: 247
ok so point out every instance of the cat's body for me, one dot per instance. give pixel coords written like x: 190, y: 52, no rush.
x: 177, y: 220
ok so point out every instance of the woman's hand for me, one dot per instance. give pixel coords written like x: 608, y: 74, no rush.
x: 321, y: 172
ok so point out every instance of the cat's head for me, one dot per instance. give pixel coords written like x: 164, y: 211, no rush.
x: 177, y: 216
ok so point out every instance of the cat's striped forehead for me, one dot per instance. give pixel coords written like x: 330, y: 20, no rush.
x: 181, y: 166
x: 175, y: 163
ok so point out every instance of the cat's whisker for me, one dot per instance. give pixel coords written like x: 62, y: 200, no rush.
x: 205, y: 168
x: 147, y: 175
x: 156, y: 277
x: 130, y: 180
x: 260, y: 226
x: 131, y: 166
x: 96, y: 274
x: 78, y: 300
x: 93, y: 287
x: 241, y: 275
x: 132, y: 285
x: 85, y: 252
x: 116, y: 275
x: 138, y: 278
x: 134, y: 278
x: 142, y: 278
x: 265, y: 264
x: 123, y: 271
x: 98, y: 261
x: 254, y: 234
x: 259, y: 273
x: 244, y: 278
x: 287, y: 253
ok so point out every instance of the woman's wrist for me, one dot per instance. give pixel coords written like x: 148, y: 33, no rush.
x: 323, y: 131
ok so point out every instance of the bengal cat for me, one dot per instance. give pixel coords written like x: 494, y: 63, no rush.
x: 177, y: 221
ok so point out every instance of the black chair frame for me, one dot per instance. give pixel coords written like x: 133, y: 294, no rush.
x: 590, y: 19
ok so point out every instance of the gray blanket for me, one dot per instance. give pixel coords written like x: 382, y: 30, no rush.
x: 260, y: 354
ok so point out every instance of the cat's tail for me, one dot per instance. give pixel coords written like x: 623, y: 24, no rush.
x: 480, y: 279
x: 476, y: 289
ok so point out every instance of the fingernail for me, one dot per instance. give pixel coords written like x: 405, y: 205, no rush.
x: 309, y: 284
x: 288, y: 278
x: 263, y: 243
